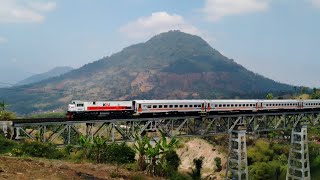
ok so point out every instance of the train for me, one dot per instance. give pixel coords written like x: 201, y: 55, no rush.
x: 80, y: 109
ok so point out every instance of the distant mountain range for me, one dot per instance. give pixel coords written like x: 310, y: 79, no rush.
x: 171, y: 65
x: 57, y: 71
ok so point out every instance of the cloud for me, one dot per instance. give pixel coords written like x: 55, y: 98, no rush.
x: 43, y: 6
x: 3, y: 40
x: 158, y: 22
x: 15, y: 11
x: 216, y: 9
x: 315, y: 3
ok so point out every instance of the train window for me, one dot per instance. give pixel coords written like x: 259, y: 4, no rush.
x: 94, y: 103
x: 216, y: 105
x: 220, y: 105
x: 224, y: 105
x: 154, y: 106
x: 149, y: 106
x: 239, y: 105
x: 190, y: 105
x: 185, y: 106
x: 176, y: 106
x: 232, y: 105
x: 267, y: 104
x: 165, y: 106
x: 79, y: 105
x: 228, y: 105
x: 199, y: 105
x: 181, y: 106
x: 160, y: 106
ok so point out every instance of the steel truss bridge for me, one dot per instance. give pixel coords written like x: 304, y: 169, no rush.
x: 236, y: 125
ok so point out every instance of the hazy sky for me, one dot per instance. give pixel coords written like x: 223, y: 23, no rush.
x: 276, y: 38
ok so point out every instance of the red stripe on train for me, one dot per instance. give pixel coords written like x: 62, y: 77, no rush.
x: 107, y: 108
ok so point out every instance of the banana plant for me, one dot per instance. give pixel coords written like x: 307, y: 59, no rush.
x: 85, y: 145
x: 141, y: 147
x: 153, y: 154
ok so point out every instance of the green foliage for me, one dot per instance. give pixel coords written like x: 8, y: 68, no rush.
x: 268, y: 160
x: 39, y: 149
x: 160, y: 155
x: 260, y: 171
x: 269, y: 96
x: 261, y: 152
x: 141, y: 147
x: 170, y: 162
x: 7, y: 115
x: 179, y: 176
x: 6, y: 145
x: 2, y: 106
x: 85, y: 145
x: 119, y: 154
x: 217, y: 160
x: 49, y: 115
x: 196, y: 173
x: 315, y: 94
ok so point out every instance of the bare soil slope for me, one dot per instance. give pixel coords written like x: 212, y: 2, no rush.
x: 196, y: 148
x: 29, y: 168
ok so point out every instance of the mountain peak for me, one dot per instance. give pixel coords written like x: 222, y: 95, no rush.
x: 171, y: 65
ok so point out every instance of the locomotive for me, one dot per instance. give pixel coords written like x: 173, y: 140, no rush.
x: 79, y: 108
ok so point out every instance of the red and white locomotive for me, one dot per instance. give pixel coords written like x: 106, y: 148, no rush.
x: 138, y: 107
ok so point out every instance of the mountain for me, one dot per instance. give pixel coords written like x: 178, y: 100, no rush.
x: 168, y: 66
x: 57, y: 71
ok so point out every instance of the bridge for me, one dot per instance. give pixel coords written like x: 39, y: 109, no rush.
x: 236, y: 124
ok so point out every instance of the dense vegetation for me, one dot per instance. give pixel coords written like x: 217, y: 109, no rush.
x: 157, y: 158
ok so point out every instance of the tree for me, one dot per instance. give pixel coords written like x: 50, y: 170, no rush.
x: 170, y: 162
x: 269, y: 96
x: 98, y: 148
x: 260, y: 171
x: 217, y: 160
x: 196, y: 173
x: 3, y: 106
x: 85, y: 145
x: 153, y: 154
x: 119, y: 154
x: 140, y: 146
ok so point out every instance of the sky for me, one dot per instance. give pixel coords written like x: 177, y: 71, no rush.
x: 278, y: 39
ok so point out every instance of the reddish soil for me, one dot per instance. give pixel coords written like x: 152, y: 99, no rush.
x: 14, y: 168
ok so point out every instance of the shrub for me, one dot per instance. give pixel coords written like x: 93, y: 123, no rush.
x: 119, y: 153
x: 217, y: 160
x: 170, y: 162
x: 6, y: 145
x: 179, y: 176
x: 39, y: 149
